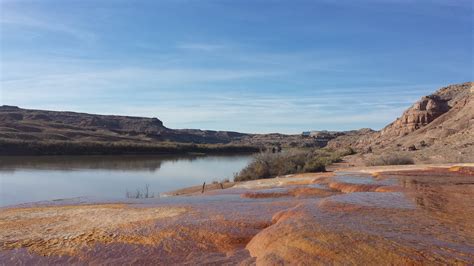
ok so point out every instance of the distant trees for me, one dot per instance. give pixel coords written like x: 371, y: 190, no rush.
x: 23, y: 147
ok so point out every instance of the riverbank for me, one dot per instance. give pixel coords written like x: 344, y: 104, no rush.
x: 369, y: 216
x: 34, y: 148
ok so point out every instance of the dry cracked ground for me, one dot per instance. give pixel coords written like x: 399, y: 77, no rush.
x: 374, y: 216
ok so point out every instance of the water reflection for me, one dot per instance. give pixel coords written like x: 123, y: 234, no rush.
x: 443, y: 195
x: 26, y: 179
x: 126, y: 162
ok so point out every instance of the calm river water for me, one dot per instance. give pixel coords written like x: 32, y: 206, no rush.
x: 29, y: 179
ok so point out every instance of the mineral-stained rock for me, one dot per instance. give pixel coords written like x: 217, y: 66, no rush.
x: 399, y: 217
x: 433, y: 225
x: 61, y: 230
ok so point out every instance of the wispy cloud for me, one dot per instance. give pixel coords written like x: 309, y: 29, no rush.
x: 269, y: 114
x: 319, y: 65
x: 165, y: 93
x: 159, y: 76
x: 203, y: 47
x: 211, y: 97
x: 10, y: 19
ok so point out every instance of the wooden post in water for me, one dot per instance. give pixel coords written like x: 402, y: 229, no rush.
x: 203, y: 186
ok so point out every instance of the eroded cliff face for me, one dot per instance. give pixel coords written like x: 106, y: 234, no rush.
x: 419, y: 115
x: 428, y: 109
x: 437, y: 128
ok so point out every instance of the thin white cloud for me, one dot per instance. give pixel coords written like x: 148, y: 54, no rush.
x: 280, y: 114
x: 203, y: 47
x: 9, y: 19
x: 101, y: 92
x: 164, y: 76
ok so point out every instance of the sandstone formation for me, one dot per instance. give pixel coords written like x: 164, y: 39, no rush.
x: 437, y: 128
x: 429, y: 108
x: 419, y: 115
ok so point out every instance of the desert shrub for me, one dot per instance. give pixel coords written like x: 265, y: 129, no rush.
x: 391, y: 159
x: 258, y: 168
x: 268, y: 164
x: 315, y: 165
x: 347, y: 151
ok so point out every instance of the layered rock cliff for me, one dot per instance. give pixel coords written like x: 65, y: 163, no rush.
x: 439, y: 127
x: 428, y: 109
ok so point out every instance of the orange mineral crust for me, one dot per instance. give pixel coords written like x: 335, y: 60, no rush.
x: 404, y: 216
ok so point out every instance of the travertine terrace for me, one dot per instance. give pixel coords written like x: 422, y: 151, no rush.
x: 385, y: 215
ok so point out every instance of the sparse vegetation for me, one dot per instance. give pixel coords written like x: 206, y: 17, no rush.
x: 268, y: 164
x: 23, y: 147
x: 144, y: 193
x: 391, y: 159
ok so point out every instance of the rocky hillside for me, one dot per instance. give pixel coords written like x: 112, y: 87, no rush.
x: 449, y: 101
x: 24, y: 124
x: 437, y: 128
x: 37, y: 127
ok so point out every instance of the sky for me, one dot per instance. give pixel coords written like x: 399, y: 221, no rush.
x: 247, y: 65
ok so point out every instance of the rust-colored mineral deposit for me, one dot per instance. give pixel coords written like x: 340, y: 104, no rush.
x: 398, y: 216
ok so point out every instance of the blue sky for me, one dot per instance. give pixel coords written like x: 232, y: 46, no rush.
x: 249, y: 66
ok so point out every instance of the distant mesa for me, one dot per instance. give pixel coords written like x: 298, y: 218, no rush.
x: 38, y: 132
x: 438, y: 127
